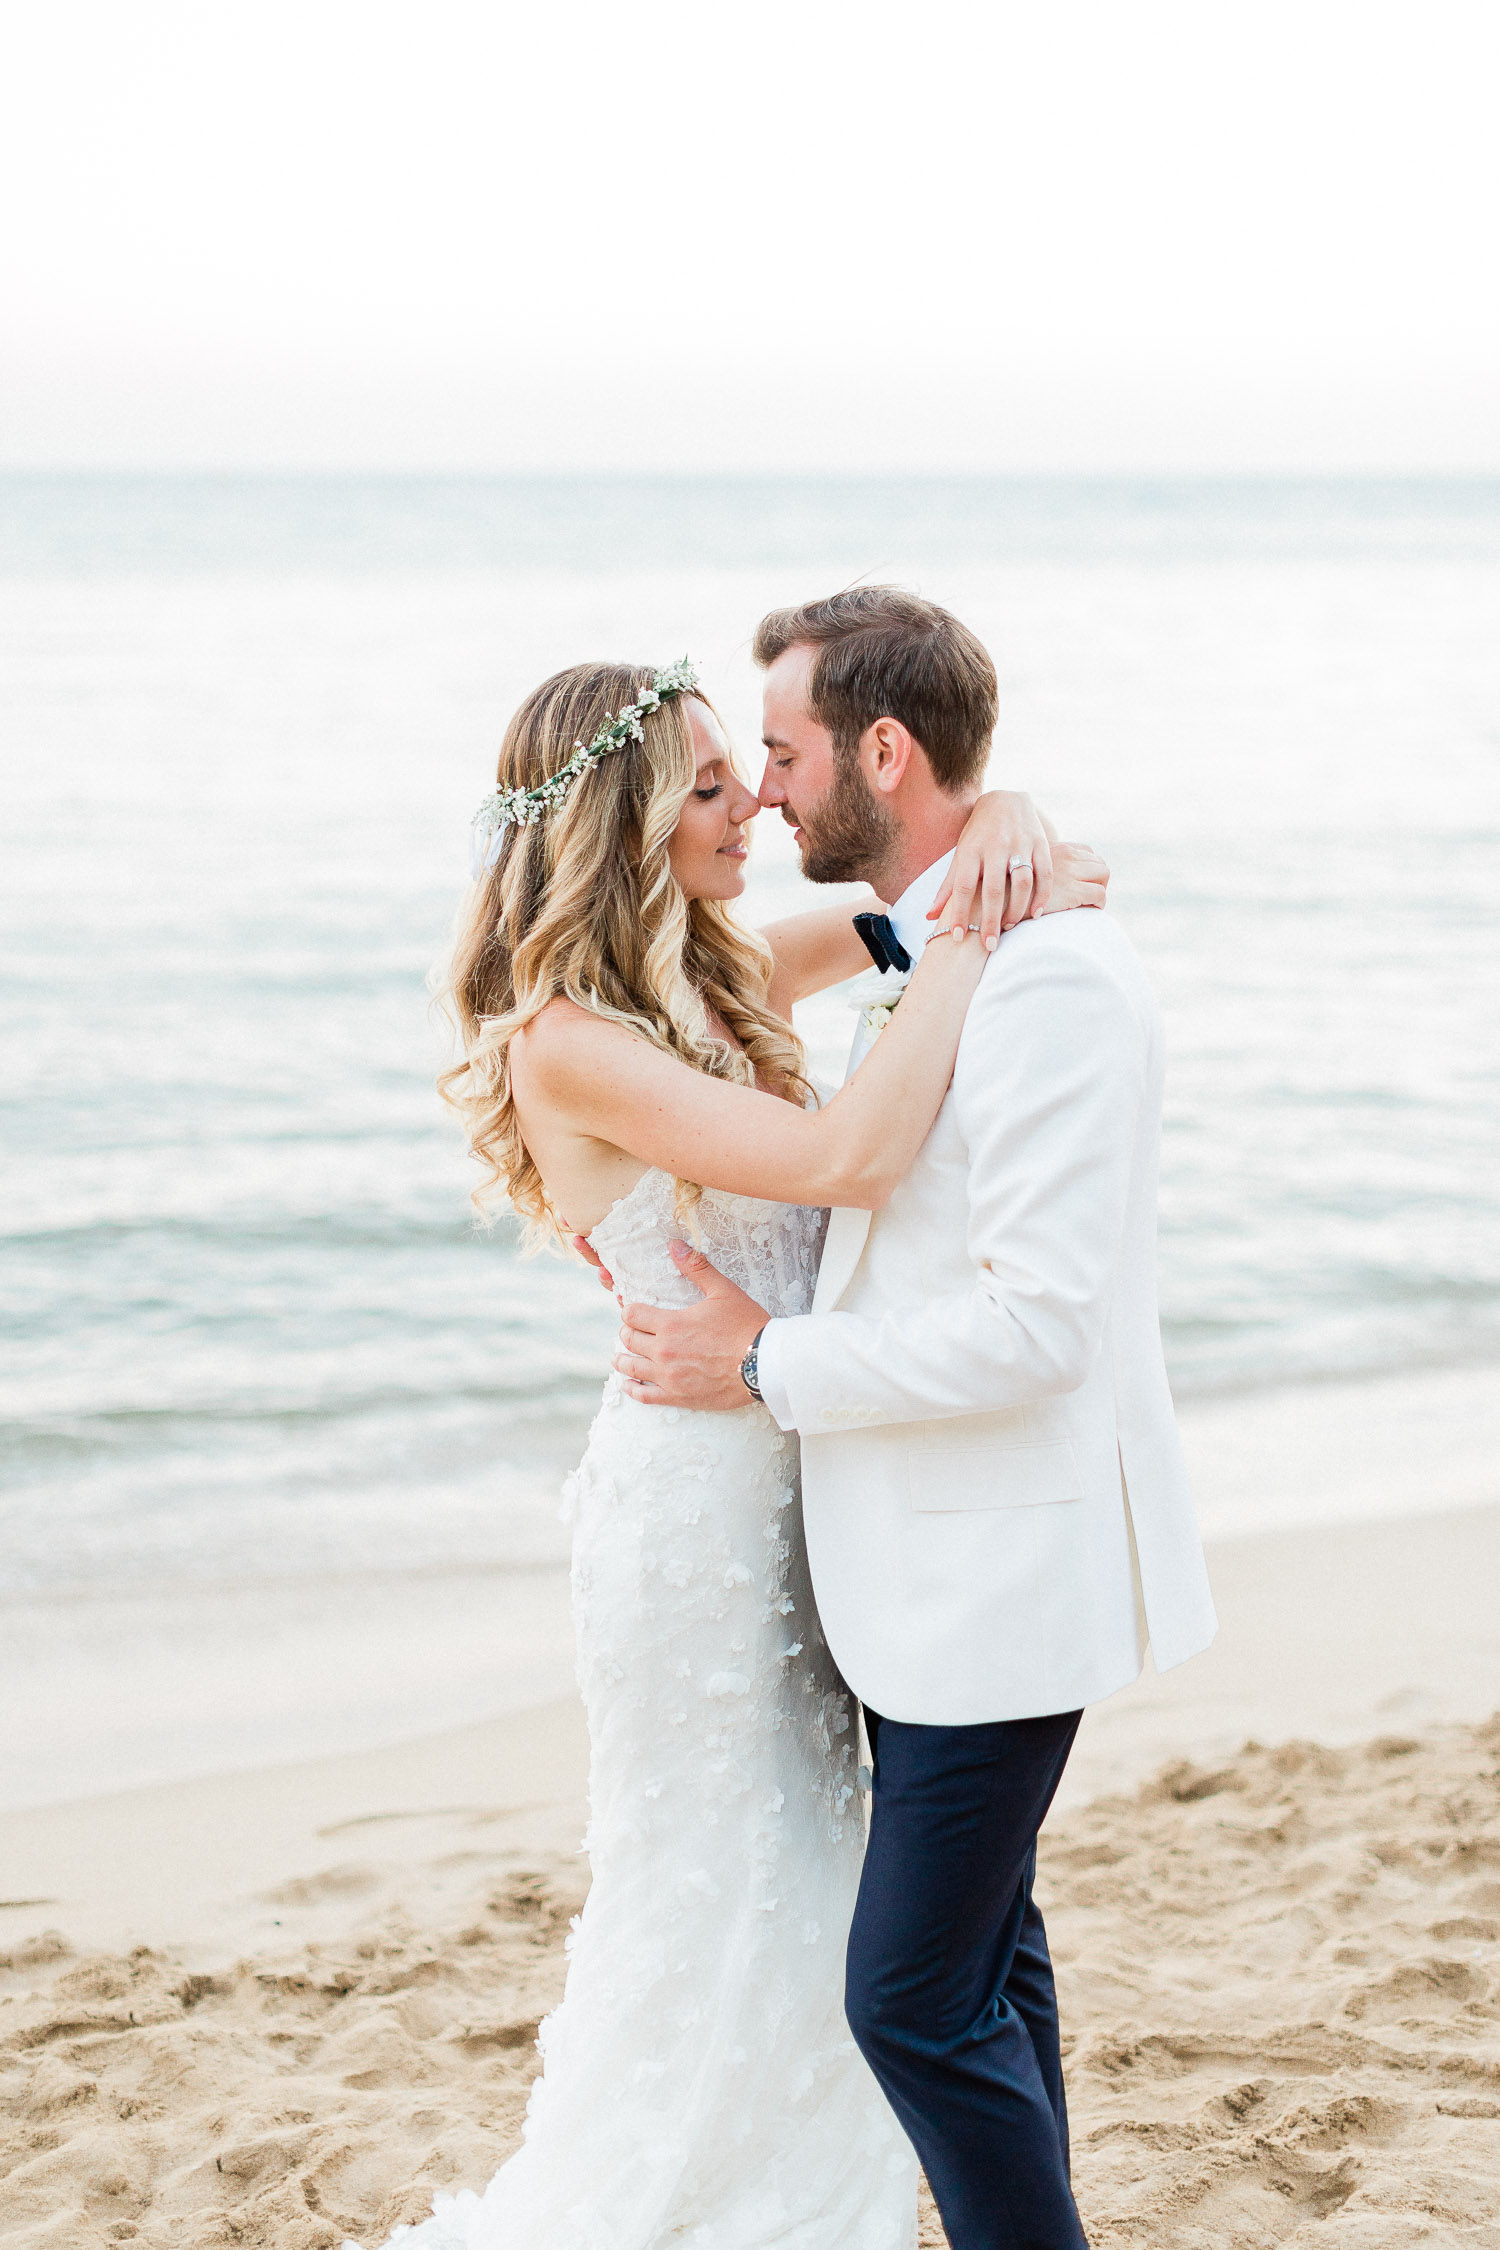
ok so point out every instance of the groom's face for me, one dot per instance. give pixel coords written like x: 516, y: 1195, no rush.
x: 843, y: 830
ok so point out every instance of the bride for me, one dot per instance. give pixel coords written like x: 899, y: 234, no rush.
x: 630, y: 1075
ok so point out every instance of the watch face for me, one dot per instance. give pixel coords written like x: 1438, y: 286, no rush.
x: 750, y: 1370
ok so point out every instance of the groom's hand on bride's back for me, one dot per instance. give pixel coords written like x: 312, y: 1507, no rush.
x: 591, y: 1257
x: 690, y: 1356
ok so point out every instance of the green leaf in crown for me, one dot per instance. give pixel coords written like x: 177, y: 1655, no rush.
x: 518, y: 808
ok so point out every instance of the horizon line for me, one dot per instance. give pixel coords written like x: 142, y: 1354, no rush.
x: 273, y: 472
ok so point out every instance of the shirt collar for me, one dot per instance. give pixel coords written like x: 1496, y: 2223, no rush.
x: 909, y: 914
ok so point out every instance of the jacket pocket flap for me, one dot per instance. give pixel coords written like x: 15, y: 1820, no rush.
x: 946, y: 1479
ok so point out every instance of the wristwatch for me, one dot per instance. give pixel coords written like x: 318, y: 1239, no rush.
x: 749, y: 1372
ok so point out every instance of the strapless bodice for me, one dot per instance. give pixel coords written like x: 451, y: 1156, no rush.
x: 770, y: 1250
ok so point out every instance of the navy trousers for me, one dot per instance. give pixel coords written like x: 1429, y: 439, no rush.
x: 950, y: 1993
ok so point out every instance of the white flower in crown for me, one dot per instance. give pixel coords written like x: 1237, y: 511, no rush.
x: 518, y: 808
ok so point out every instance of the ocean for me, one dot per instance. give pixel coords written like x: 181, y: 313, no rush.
x: 282, y: 1429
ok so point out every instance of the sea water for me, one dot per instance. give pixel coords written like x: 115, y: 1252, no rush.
x: 283, y: 1429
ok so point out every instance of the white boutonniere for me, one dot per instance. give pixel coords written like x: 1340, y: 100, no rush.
x: 876, y: 999
x: 878, y: 1015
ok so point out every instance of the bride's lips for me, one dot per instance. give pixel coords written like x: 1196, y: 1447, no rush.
x: 734, y: 851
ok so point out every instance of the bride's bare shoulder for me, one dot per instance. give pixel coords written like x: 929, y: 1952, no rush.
x: 562, y: 1040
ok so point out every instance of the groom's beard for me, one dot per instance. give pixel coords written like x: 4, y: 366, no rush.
x: 850, y: 836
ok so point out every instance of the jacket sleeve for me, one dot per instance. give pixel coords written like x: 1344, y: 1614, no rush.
x: 1047, y: 1093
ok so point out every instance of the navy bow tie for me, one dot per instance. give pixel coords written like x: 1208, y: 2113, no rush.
x: 881, y: 942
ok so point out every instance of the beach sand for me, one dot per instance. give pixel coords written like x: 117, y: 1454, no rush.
x: 283, y: 2008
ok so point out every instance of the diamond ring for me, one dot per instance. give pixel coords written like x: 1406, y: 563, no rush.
x: 1017, y: 861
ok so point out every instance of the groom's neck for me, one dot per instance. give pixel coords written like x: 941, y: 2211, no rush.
x: 922, y: 836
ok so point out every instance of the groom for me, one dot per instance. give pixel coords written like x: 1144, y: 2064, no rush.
x: 996, y: 1510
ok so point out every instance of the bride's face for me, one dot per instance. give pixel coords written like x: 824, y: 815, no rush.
x: 710, y: 843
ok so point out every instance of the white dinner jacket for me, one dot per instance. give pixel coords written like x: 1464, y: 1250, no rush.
x: 993, y: 1486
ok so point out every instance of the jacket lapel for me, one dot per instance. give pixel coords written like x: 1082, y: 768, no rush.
x: 847, y: 1233
x: 847, y: 1230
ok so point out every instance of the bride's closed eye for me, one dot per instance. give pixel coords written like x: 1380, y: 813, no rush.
x: 704, y: 795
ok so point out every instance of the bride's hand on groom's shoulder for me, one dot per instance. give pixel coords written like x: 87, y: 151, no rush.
x: 1001, y: 870
x: 1010, y: 867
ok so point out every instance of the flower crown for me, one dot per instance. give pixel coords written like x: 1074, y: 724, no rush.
x: 518, y: 808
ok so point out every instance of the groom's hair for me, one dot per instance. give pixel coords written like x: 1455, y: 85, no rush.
x: 886, y: 654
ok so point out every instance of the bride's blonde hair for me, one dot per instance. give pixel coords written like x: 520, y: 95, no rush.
x: 583, y: 903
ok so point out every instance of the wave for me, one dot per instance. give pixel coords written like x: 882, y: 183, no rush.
x: 487, y: 1410
x: 339, y: 1227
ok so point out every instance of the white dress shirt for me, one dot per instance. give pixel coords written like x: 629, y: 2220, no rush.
x: 909, y: 914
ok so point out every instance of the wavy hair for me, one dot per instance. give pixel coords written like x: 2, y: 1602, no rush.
x: 583, y: 903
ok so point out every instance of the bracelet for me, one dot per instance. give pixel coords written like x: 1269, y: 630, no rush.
x: 974, y: 926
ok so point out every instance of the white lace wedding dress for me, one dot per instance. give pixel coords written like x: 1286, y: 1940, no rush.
x: 700, y: 2089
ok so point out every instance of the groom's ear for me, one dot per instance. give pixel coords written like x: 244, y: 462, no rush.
x: 886, y: 751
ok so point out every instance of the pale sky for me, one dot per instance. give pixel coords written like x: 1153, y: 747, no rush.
x: 1065, y: 235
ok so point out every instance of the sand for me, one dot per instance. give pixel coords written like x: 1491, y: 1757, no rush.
x: 281, y: 2008
x: 1278, y: 1975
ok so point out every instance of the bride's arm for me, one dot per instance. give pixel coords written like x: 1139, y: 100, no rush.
x: 814, y: 950
x: 609, y: 1085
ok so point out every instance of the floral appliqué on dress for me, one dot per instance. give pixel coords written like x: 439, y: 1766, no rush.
x: 700, y: 2088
